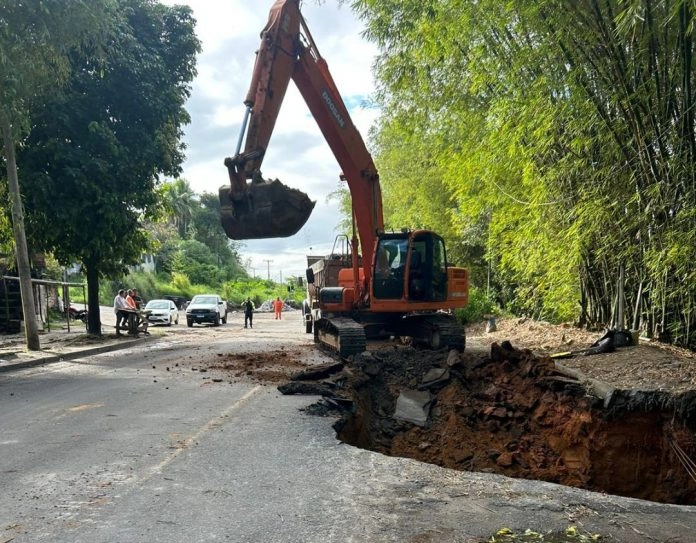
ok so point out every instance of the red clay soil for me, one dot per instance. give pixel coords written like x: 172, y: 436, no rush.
x: 520, y: 417
x: 266, y: 367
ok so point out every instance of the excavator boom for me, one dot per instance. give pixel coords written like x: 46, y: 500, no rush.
x: 261, y: 208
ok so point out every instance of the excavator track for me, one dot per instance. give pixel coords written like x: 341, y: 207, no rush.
x: 341, y: 335
x: 436, y: 331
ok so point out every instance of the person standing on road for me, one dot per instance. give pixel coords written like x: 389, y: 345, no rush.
x: 130, y: 301
x: 119, y: 310
x: 137, y: 299
x: 248, y: 307
x: 278, y: 307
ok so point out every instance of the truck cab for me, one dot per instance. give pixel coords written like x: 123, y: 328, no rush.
x: 206, y: 308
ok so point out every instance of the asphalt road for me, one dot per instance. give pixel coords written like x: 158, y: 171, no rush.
x: 128, y: 447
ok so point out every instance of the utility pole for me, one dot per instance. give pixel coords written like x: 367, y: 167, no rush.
x: 31, y: 328
x: 268, y: 264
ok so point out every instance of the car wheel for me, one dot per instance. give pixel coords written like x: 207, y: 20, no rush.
x: 217, y: 320
x: 189, y: 323
x: 224, y: 319
x: 176, y: 320
x: 170, y: 321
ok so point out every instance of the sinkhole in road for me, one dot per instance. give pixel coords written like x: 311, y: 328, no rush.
x: 516, y: 416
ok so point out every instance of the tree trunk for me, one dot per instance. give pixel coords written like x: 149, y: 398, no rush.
x: 93, y: 313
x: 636, y: 310
x: 31, y: 328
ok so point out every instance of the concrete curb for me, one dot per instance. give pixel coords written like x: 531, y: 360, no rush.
x: 70, y: 355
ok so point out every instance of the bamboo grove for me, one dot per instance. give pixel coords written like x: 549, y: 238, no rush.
x: 553, y: 143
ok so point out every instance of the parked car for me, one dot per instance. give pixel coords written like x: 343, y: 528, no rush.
x: 162, y: 312
x: 180, y: 301
x: 206, y: 308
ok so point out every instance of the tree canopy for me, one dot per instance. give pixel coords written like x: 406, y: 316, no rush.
x: 556, y: 140
x: 97, y: 148
x: 195, y: 244
x: 35, y: 36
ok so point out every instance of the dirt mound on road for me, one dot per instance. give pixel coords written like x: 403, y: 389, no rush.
x: 268, y: 367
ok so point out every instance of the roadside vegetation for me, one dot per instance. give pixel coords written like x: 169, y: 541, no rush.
x: 151, y: 286
x: 553, y: 144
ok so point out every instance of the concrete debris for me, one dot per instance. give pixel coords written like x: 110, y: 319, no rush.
x: 413, y: 406
x: 318, y: 372
x: 295, y: 387
x: 454, y: 359
x: 491, y: 326
x: 435, y: 378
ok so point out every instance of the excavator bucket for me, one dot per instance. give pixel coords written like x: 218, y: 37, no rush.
x: 265, y: 209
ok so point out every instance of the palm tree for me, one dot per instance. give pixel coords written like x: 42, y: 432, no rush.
x: 179, y: 201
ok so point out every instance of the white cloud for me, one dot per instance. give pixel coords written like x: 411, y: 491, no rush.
x: 297, y: 154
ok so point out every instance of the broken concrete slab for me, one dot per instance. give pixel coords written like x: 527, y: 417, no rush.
x: 413, y: 406
x: 454, y: 359
x: 434, y: 378
x: 311, y: 389
x: 318, y: 372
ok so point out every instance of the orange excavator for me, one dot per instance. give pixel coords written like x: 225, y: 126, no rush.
x: 385, y: 283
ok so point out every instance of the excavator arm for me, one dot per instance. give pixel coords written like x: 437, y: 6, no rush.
x: 260, y: 208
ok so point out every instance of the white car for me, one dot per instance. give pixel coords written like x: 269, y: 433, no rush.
x: 162, y: 312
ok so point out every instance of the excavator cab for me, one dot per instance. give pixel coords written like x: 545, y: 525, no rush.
x: 410, y: 265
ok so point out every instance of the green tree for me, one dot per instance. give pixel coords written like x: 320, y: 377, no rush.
x: 35, y: 39
x: 208, y: 230
x: 165, y: 239
x: 179, y: 202
x: 196, y: 261
x: 560, y: 135
x: 96, y: 149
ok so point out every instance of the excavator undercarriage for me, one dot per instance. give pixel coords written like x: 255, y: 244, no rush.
x: 348, y: 335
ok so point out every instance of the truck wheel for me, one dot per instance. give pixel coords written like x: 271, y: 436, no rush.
x: 308, y: 326
x: 189, y: 323
x: 217, y: 320
x: 224, y: 319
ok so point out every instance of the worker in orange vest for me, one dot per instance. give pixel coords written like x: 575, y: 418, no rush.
x: 278, y: 307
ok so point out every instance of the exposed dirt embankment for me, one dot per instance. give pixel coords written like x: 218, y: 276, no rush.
x: 516, y: 414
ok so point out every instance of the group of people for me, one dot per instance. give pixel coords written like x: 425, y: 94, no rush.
x: 248, y: 307
x: 127, y: 303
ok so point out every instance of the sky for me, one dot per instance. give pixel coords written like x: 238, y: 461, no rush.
x: 297, y: 153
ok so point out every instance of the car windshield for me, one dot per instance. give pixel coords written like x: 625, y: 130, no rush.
x: 204, y: 300
x: 157, y: 304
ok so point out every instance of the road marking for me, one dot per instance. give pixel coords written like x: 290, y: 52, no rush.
x: 85, y: 406
x: 184, y: 444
